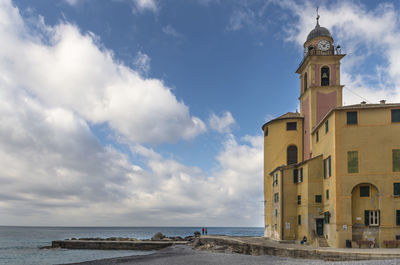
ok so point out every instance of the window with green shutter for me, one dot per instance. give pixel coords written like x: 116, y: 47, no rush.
x: 329, y: 166
x: 352, y: 117
x: 324, y: 161
x: 318, y: 198
x: 327, y: 194
x: 326, y: 127
x: 396, y: 189
x: 299, y: 219
x: 352, y: 162
x: 396, y: 160
x: 299, y: 199
x: 395, y: 115
x: 397, y: 217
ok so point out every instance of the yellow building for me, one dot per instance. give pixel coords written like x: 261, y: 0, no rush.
x: 332, y: 172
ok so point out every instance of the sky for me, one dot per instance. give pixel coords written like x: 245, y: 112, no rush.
x: 149, y: 112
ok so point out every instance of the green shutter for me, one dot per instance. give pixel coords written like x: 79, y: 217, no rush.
x: 396, y: 188
x: 395, y: 115
x: 295, y: 175
x: 352, y: 162
x: 366, y: 217
x: 397, y: 217
x: 329, y: 166
x: 324, y: 168
x: 396, y: 160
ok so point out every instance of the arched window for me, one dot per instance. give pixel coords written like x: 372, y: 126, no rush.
x: 325, y: 76
x: 305, y: 82
x: 292, y: 155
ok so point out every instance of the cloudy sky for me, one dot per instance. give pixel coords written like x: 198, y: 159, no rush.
x: 149, y: 112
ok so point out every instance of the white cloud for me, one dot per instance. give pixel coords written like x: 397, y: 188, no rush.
x: 367, y: 36
x: 249, y: 15
x: 63, y: 67
x: 223, y: 123
x: 72, y: 2
x: 56, y: 172
x: 170, y: 31
x: 144, y: 5
x: 142, y: 63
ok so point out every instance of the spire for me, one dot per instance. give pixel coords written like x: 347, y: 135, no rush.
x: 317, y: 26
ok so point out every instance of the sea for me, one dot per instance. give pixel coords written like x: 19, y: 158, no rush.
x: 21, y: 245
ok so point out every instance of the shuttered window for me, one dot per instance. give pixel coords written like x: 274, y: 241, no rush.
x: 364, y: 191
x: 299, y: 199
x: 396, y: 160
x: 352, y: 162
x: 352, y: 117
x: 318, y: 198
x: 291, y: 155
x: 397, y: 217
x: 395, y: 115
x: 396, y: 189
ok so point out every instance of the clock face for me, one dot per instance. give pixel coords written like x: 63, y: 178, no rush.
x: 324, y: 45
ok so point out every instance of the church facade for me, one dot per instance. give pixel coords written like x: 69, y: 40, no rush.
x: 332, y: 172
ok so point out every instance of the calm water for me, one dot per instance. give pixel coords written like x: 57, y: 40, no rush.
x: 20, y: 245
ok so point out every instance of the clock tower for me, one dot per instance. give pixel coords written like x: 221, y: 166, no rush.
x: 320, y: 88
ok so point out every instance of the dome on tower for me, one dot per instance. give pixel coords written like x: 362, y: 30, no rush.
x: 318, y: 31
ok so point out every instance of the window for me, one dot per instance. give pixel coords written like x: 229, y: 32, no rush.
x: 396, y: 160
x: 327, y: 194
x: 301, y: 175
x: 295, y: 175
x: 327, y: 167
x: 397, y: 237
x: 326, y: 127
x: 317, y: 136
x: 299, y: 219
x: 291, y: 155
x: 325, y: 76
x: 276, y: 212
x: 266, y: 131
x: 395, y: 115
x: 327, y: 217
x: 396, y: 189
x: 318, y: 198
x: 371, y: 218
x: 397, y: 219
x: 276, y: 197
x: 352, y: 117
x: 364, y: 191
x: 275, y: 179
x: 291, y: 126
x: 352, y: 162
x: 298, y: 199
x: 305, y: 82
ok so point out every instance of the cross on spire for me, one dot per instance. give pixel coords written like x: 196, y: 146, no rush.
x: 317, y: 16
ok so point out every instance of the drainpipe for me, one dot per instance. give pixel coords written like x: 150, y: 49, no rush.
x: 282, y: 221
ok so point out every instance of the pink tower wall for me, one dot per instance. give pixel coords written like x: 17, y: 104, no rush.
x: 306, y: 128
x: 325, y: 102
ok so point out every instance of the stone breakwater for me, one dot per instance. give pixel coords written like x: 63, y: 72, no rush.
x: 158, y: 241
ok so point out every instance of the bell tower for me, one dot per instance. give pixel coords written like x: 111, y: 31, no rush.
x: 320, y: 88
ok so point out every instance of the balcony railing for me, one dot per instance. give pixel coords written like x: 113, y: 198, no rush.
x: 336, y: 51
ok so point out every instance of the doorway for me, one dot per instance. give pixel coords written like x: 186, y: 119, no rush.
x: 320, y: 226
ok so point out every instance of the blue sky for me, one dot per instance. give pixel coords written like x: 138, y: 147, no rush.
x: 149, y: 112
